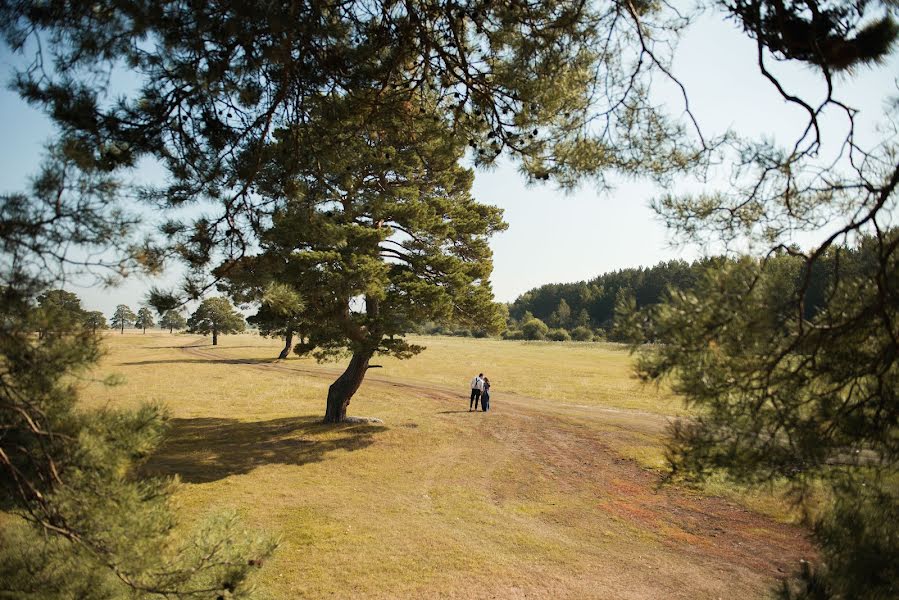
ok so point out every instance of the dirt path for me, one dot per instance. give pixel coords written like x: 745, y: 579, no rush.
x: 570, y: 451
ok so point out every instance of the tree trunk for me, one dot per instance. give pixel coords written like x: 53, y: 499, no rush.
x: 287, y: 344
x: 342, y: 390
x: 215, y: 337
x: 123, y: 328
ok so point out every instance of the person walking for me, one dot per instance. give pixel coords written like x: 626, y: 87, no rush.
x: 485, y: 395
x: 477, y: 384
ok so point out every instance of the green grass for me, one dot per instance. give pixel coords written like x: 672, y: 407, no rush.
x: 539, y: 498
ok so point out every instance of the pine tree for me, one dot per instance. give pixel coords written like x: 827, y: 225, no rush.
x: 58, y: 308
x: 215, y: 316
x: 171, y: 320
x: 280, y: 315
x: 95, y: 320
x: 122, y: 317
x: 144, y: 319
x: 80, y: 520
x: 378, y: 233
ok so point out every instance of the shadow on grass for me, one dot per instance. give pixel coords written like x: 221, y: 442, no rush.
x: 211, y: 361
x: 208, y: 449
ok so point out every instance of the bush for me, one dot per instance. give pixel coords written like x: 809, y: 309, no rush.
x: 535, y: 329
x: 462, y: 333
x: 513, y: 334
x: 480, y: 333
x: 581, y: 334
x: 558, y: 335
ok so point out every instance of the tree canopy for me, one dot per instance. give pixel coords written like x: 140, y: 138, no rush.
x: 378, y: 232
x: 144, y: 319
x: 80, y: 517
x: 172, y: 319
x: 122, y: 317
x: 215, y: 316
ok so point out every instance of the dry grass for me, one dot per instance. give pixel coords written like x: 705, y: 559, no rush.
x: 535, y: 499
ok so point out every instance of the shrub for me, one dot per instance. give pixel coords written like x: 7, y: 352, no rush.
x: 535, y: 329
x: 513, y: 334
x: 558, y: 335
x: 581, y: 334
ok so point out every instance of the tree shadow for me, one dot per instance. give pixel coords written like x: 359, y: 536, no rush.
x: 208, y: 449
x: 213, y: 361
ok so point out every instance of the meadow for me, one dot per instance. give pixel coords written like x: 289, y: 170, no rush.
x: 554, y: 493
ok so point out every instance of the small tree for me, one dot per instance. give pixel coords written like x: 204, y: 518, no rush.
x: 144, y: 319
x: 281, y: 315
x: 561, y: 317
x: 583, y: 319
x: 216, y: 316
x: 535, y: 329
x: 122, y: 316
x: 581, y: 334
x: 95, y: 321
x: 558, y: 335
x: 172, y: 320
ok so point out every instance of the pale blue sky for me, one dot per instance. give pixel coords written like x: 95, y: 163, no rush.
x: 555, y: 237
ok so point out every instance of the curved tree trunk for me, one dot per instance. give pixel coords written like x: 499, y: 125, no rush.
x: 288, y: 343
x: 342, y: 390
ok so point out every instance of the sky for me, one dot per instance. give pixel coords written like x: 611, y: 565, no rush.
x: 556, y: 237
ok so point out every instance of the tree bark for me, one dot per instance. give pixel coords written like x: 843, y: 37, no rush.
x: 342, y: 390
x: 123, y: 328
x: 215, y: 337
x: 288, y: 343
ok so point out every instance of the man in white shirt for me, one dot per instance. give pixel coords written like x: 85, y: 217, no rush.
x: 477, y: 384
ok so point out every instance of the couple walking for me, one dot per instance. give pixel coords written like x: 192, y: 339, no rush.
x: 480, y: 390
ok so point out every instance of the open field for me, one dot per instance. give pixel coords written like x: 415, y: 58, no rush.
x: 540, y: 498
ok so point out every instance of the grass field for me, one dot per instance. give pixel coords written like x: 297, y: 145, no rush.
x: 549, y: 495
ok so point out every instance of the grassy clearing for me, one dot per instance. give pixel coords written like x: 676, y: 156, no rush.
x: 589, y: 374
x: 534, y: 499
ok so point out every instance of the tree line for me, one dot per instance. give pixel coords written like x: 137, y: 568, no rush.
x: 61, y: 310
x: 591, y: 309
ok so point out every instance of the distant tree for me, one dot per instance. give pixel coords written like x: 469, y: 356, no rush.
x: 535, y: 329
x: 581, y: 334
x: 558, y: 335
x: 280, y: 315
x: 60, y: 308
x: 216, y: 316
x: 171, y: 320
x: 95, y: 320
x: 582, y: 319
x: 562, y: 315
x: 122, y: 317
x: 144, y: 319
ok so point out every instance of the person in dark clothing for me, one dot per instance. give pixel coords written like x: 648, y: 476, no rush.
x: 477, y: 384
x: 485, y: 396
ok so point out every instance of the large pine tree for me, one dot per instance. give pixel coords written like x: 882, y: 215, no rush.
x: 376, y: 230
